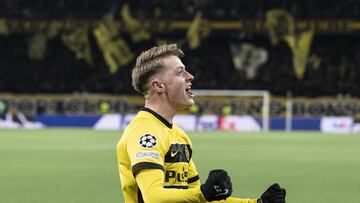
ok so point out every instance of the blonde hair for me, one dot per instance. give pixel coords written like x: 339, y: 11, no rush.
x: 149, y: 62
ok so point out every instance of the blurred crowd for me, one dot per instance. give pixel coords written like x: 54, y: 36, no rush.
x: 181, y: 9
x: 333, y: 64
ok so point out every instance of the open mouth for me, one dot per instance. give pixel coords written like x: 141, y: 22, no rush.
x: 188, y: 91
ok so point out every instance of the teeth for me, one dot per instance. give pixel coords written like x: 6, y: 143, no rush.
x: 188, y: 90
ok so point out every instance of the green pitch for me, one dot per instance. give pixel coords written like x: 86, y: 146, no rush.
x: 79, y: 165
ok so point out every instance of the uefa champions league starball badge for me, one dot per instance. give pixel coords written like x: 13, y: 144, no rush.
x: 147, y: 141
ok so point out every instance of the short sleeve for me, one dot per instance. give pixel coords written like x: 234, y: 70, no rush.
x: 145, y: 149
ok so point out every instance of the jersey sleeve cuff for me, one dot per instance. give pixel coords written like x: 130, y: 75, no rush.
x: 193, y: 179
x: 146, y: 165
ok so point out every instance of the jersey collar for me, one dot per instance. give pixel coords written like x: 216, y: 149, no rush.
x: 158, y: 116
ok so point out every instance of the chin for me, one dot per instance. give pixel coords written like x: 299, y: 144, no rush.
x: 191, y: 102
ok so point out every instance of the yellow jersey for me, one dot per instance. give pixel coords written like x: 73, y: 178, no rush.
x: 151, y: 142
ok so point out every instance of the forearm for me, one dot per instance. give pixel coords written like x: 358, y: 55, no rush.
x: 151, y: 184
x: 228, y: 200
x: 236, y: 200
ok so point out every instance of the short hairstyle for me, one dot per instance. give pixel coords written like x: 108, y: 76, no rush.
x: 149, y: 62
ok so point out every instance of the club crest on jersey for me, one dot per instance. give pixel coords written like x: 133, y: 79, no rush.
x: 147, y: 141
x: 187, y: 153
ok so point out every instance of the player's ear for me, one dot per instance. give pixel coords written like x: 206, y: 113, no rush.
x: 157, y: 86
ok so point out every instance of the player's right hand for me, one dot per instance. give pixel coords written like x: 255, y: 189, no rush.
x: 218, y: 186
x: 274, y: 194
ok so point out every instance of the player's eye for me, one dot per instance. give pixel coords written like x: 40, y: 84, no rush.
x: 180, y: 72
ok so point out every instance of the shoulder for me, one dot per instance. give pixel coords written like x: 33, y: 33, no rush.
x: 143, y: 125
x: 145, y: 133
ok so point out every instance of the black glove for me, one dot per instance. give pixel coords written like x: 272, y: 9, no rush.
x: 218, y: 186
x: 274, y: 194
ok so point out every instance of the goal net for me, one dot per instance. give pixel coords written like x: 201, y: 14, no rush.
x: 242, y: 103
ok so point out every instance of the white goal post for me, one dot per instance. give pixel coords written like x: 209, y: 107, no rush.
x: 265, y: 95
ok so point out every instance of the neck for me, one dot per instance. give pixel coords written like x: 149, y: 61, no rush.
x: 163, y: 109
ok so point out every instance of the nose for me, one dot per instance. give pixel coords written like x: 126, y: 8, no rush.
x: 189, y: 77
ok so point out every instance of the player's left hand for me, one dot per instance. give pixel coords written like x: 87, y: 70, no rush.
x: 274, y: 194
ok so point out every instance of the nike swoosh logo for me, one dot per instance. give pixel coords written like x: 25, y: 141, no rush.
x: 226, y: 191
x: 173, y: 153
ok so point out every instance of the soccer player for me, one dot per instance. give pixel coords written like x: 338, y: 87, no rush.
x: 154, y: 155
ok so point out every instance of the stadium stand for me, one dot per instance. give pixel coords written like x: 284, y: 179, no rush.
x: 331, y: 70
